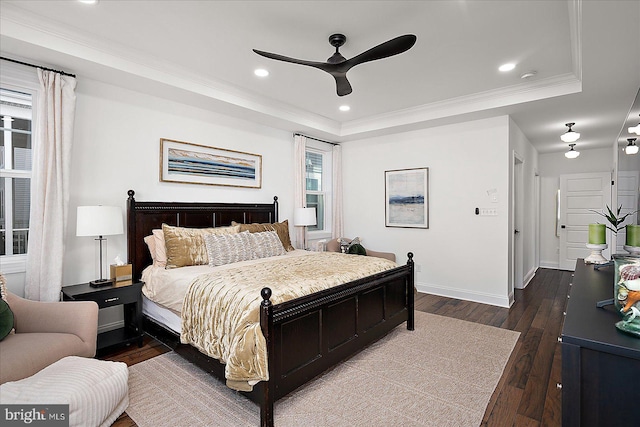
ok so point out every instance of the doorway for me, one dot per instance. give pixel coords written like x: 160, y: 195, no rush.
x: 517, y: 210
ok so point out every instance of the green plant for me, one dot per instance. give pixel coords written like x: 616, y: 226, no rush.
x: 614, y: 219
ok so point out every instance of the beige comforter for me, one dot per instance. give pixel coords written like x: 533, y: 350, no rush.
x: 220, y: 313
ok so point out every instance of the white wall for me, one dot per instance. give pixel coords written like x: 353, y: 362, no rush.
x: 551, y: 166
x: 461, y: 255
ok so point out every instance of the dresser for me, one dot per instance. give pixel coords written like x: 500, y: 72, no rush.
x: 600, y: 364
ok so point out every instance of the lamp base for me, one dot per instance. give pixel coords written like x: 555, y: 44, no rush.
x: 101, y: 282
x: 596, y: 254
x: 633, y: 250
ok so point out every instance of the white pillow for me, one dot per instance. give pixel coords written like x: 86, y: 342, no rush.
x: 160, y: 259
x: 267, y: 243
x: 229, y: 248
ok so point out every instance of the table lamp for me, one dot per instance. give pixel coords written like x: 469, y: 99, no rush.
x: 632, y: 240
x: 99, y: 221
x: 303, y: 217
x: 597, y: 243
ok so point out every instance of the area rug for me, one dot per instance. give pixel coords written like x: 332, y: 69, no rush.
x: 441, y: 374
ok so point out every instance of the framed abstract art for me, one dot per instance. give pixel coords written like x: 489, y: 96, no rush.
x: 407, y: 198
x: 189, y: 163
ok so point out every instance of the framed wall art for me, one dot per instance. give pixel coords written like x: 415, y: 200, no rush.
x: 189, y: 163
x: 407, y: 198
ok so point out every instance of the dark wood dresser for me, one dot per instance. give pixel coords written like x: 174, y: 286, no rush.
x: 600, y: 364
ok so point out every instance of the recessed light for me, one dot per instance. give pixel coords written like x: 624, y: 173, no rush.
x: 507, y: 67
x: 261, y: 72
x: 344, y: 108
x: 88, y: 1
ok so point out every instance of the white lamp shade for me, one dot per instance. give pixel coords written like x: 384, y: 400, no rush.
x: 571, y: 154
x: 304, y: 216
x: 635, y: 129
x: 99, y: 221
x: 570, y: 136
x: 631, y: 149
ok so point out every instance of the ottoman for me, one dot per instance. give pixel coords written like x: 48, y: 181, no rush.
x: 96, y: 391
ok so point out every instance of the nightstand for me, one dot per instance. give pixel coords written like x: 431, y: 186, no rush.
x: 128, y: 294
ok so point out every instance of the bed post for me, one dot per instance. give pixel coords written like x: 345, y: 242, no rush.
x: 131, y: 230
x: 275, y: 208
x: 410, y: 293
x: 266, y: 324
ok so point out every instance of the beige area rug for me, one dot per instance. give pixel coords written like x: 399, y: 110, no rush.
x: 441, y: 374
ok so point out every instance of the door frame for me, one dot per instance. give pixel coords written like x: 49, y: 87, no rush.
x: 516, y: 279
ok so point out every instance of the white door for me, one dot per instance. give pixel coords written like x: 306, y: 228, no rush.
x: 579, y: 194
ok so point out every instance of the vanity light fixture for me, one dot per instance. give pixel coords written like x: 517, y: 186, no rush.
x: 571, y: 154
x: 570, y: 135
x: 631, y: 147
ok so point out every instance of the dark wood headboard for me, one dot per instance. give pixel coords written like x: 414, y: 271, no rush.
x: 142, y: 217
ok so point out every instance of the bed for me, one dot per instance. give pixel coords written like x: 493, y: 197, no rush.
x: 304, y: 336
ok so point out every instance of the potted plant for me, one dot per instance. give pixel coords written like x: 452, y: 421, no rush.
x: 615, y: 220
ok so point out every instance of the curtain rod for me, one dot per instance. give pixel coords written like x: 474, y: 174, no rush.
x: 37, y: 66
x: 315, y: 139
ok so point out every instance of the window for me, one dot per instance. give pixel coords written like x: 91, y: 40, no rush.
x: 318, y: 184
x: 15, y: 170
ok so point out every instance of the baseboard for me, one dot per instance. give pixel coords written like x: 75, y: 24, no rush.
x: 554, y: 265
x: 481, y: 297
x: 528, y: 277
x: 110, y: 326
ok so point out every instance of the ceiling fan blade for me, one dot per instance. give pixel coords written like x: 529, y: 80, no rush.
x: 321, y: 65
x: 343, y: 87
x: 389, y: 48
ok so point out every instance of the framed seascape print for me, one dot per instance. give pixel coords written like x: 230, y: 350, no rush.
x: 199, y: 164
x: 407, y: 198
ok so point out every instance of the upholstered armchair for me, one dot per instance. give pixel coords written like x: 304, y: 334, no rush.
x: 45, y: 332
x: 334, y: 246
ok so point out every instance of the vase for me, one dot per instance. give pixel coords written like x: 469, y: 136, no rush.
x: 626, y: 292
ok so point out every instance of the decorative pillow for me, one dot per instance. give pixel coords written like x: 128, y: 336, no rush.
x: 161, y: 250
x: 282, y: 228
x: 266, y: 244
x: 151, y: 245
x: 3, y: 287
x: 229, y: 248
x: 357, y: 249
x: 6, y: 319
x: 185, y: 246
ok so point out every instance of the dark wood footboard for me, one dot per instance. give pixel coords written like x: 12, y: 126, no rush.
x: 305, y: 336
x: 309, y: 335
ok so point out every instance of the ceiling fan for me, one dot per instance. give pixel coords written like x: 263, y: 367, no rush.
x: 337, y: 65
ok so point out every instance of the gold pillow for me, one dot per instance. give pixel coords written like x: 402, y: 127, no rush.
x: 185, y: 246
x: 282, y: 228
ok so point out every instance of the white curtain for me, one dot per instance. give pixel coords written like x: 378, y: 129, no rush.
x: 50, y: 185
x: 300, y: 183
x: 336, y: 167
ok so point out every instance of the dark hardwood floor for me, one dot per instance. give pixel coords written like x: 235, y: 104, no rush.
x: 527, y: 394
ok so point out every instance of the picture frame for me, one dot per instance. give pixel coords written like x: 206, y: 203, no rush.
x: 189, y: 163
x: 407, y: 198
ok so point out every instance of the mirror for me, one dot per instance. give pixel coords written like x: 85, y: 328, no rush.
x: 628, y: 170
